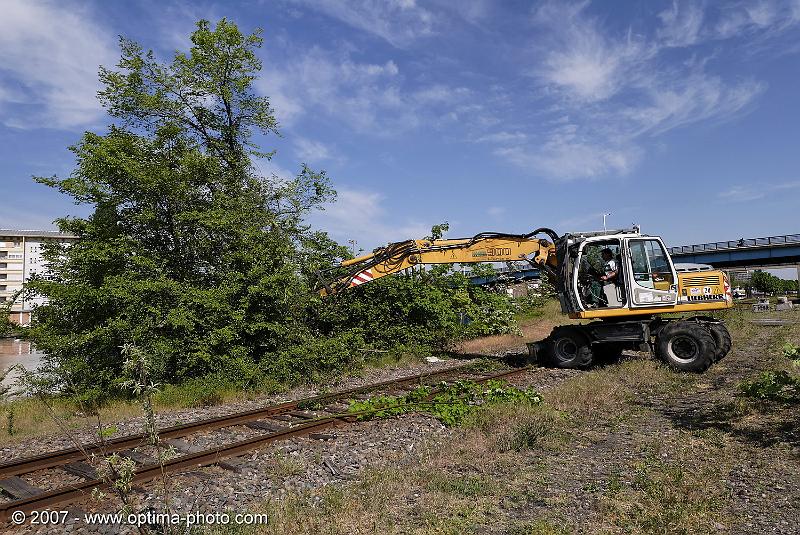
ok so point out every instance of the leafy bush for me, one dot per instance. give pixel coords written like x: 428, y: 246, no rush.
x: 777, y: 385
x: 773, y: 386
x: 450, y: 403
x: 6, y: 327
x: 791, y: 352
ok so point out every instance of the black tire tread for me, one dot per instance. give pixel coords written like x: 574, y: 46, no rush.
x: 702, y: 335
x: 584, y: 358
x: 722, y: 340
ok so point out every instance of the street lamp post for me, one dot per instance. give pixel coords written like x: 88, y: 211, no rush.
x: 604, y: 221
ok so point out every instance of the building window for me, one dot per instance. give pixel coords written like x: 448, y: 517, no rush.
x: 2, y: 299
x: 3, y: 276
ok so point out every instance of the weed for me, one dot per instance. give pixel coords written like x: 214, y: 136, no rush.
x: 460, y: 486
x: 10, y: 421
x: 776, y: 385
x: 772, y: 386
x: 450, y: 403
x: 539, y: 527
x: 664, y: 497
x: 286, y: 465
x: 791, y: 352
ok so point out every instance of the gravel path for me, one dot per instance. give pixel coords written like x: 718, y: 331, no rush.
x: 166, y: 418
x: 268, y: 473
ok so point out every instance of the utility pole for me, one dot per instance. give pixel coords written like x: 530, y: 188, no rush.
x: 604, y: 221
x: 352, y: 247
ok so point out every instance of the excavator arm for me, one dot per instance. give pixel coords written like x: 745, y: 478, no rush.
x: 484, y: 247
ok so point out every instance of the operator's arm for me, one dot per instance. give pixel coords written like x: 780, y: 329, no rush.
x: 485, y: 247
x: 609, y: 277
x: 611, y: 273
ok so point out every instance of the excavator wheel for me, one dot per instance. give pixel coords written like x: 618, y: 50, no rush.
x: 686, y: 346
x: 567, y: 347
x: 722, y: 340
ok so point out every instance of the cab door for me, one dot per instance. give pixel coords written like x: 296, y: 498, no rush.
x: 651, y: 275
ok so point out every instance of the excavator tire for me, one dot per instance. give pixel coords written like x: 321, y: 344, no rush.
x: 686, y: 346
x: 567, y: 347
x: 722, y: 340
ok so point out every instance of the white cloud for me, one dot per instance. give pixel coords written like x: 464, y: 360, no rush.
x: 399, y: 22
x: 360, y: 215
x: 50, y: 55
x: 503, y: 137
x: 496, y: 211
x: 566, y: 159
x: 689, y: 98
x: 741, y: 194
x: 762, y: 18
x: 368, y: 97
x: 579, y: 60
x: 681, y: 24
x: 610, y: 93
x: 311, y: 151
x: 756, y: 190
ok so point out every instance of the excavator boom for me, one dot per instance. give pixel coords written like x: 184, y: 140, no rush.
x: 484, y: 247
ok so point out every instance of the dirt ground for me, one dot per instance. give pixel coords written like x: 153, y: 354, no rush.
x: 632, y: 447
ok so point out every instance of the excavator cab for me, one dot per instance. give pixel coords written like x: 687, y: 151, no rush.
x: 646, y: 277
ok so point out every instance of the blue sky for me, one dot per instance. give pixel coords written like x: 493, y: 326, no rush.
x: 682, y: 117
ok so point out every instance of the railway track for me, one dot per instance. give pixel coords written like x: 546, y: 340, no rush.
x: 274, y: 423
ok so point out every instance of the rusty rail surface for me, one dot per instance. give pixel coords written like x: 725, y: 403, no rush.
x: 206, y: 457
x: 57, y: 458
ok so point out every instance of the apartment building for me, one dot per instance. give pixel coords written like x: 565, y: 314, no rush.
x: 20, y: 258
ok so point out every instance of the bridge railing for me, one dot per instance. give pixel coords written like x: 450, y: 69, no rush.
x: 787, y: 239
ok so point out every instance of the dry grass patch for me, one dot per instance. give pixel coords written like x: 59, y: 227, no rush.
x: 605, y: 394
x: 670, y: 492
x: 533, y: 327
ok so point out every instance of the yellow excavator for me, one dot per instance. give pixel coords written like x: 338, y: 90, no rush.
x: 623, y: 281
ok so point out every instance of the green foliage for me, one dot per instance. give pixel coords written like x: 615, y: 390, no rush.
x: 5, y: 386
x: 6, y: 327
x: 201, y: 263
x: 768, y: 283
x: 450, y: 403
x: 430, y: 308
x: 189, y: 253
x: 437, y: 231
x: 778, y: 385
x: 773, y: 386
x: 791, y: 352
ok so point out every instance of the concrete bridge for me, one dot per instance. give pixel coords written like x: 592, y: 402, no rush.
x: 744, y: 253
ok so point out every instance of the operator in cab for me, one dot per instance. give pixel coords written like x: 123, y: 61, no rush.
x: 610, y: 278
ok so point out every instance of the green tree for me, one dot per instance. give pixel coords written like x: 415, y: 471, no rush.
x: 189, y: 253
x: 199, y: 261
x: 6, y: 327
x: 764, y: 282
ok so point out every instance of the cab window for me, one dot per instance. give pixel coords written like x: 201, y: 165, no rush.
x: 650, y: 265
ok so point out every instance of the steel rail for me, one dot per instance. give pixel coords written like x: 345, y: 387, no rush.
x: 49, y: 460
x: 203, y: 458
